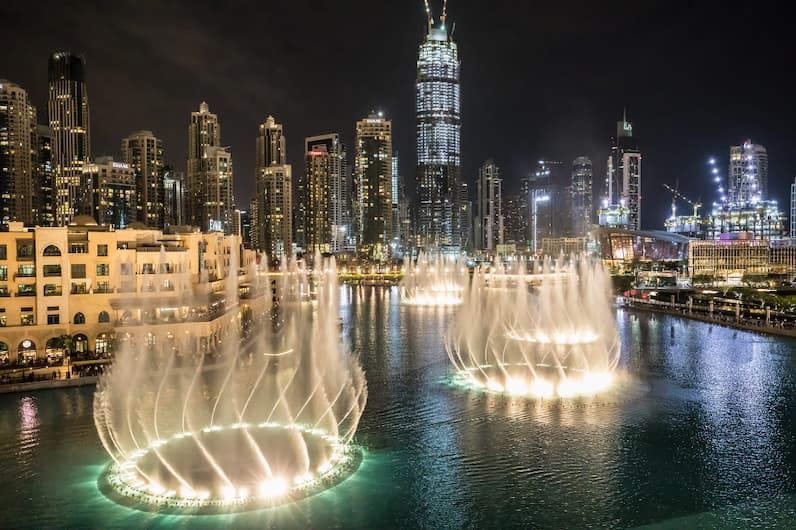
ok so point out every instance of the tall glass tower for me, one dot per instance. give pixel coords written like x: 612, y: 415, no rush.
x: 439, y: 185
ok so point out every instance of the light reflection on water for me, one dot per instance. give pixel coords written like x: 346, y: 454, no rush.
x: 700, y: 431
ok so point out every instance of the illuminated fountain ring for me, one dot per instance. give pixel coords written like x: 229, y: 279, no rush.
x: 138, y: 482
x: 536, y: 365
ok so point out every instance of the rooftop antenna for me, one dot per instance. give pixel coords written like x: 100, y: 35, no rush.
x: 429, y: 15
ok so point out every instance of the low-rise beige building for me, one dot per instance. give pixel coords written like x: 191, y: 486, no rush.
x: 84, y: 288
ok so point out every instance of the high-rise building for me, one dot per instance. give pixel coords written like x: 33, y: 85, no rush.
x: 69, y: 120
x: 45, y: 176
x: 438, y: 106
x: 271, y: 144
x: 623, y: 178
x: 489, y: 220
x: 204, y: 131
x: 275, y: 210
x: 246, y: 228
x: 748, y: 173
x: 143, y: 151
x: 219, y: 202
x: 581, y: 190
x: 324, y: 197
x: 272, y: 208
x: 114, y: 192
x: 373, y: 186
x: 173, y: 197
x: 17, y: 155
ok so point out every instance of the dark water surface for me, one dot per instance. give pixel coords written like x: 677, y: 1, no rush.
x: 699, y: 433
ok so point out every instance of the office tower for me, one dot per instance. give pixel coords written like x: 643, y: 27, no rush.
x: 273, y: 209
x: 114, y: 192
x: 489, y: 220
x: 373, y: 186
x: 438, y: 106
x: 144, y: 153
x: 173, y: 197
x: 254, y: 231
x: 17, y: 155
x: 219, y: 201
x: 581, y: 196
x: 204, y: 131
x: 324, y: 197
x: 68, y: 112
x: 748, y: 173
x: 623, y: 179
x: 45, y: 177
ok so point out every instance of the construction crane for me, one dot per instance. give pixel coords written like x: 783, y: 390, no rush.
x: 676, y: 194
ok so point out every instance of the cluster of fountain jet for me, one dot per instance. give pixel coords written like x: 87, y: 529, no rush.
x: 542, y: 333
x: 433, y: 280
x: 270, y: 415
x: 270, y: 420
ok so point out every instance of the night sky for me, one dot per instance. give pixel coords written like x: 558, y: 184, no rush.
x: 539, y: 80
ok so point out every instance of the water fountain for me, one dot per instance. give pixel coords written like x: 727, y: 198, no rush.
x: 550, y: 333
x: 433, y: 280
x: 264, y: 419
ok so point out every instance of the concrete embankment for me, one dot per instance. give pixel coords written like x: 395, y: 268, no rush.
x: 47, y: 385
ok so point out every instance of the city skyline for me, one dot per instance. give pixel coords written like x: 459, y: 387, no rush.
x: 679, y: 100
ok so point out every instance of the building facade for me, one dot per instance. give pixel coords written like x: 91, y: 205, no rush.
x: 143, y: 151
x: 219, y: 201
x: 18, y: 157
x: 68, y: 112
x: 489, y: 214
x: 581, y: 191
x: 438, y: 107
x: 748, y: 173
x: 373, y: 186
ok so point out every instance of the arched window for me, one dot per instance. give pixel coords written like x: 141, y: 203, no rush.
x: 80, y: 318
x: 51, y: 250
x: 104, y: 316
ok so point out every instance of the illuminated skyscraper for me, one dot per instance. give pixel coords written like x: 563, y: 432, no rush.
x: 748, y: 173
x: 173, y: 197
x: 324, y: 197
x: 204, y: 131
x: 219, y: 202
x: 272, y: 208
x: 489, y: 221
x: 373, y: 185
x: 581, y: 200
x: 438, y: 176
x: 144, y: 153
x: 67, y: 107
x: 17, y: 155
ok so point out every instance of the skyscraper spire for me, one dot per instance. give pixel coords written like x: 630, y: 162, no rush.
x: 429, y: 15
